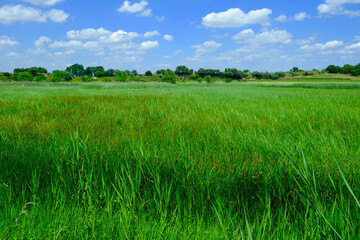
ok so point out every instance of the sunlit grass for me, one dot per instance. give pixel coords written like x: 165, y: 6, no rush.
x: 145, y: 161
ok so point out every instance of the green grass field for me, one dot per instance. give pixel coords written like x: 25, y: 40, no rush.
x: 189, y: 161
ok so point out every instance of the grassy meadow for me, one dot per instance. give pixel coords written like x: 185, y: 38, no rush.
x: 187, y: 161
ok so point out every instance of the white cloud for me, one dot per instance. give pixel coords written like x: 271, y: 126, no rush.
x: 13, y: 54
x: 67, y: 52
x: 57, y: 16
x: 235, y: 17
x: 168, y: 37
x: 268, y: 37
x: 20, y: 13
x: 301, y: 16
x: 322, y: 46
x: 64, y: 44
x: 206, y: 47
x: 43, y: 2
x: 5, y: 41
x: 353, y: 46
x: 149, y: 45
x: 337, y: 7
x: 119, y: 36
x: 152, y: 34
x: 145, y: 13
x: 41, y: 41
x: 87, y: 33
x: 281, y: 18
x: 160, y: 19
x: 140, y: 8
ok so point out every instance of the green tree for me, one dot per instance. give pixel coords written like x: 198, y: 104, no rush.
x: 182, y: 71
x: 100, y: 74
x: 110, y: 72
x: 169, y: 76
x: 120, y: 76
x: 347, y: 69
x: 356, y: 70
x: 61, y: 76
x: 333, y: 69
x: 76, y: 70
x: 23, y: 76
x: 208, y: 79
x: 294, y: 69
x: 148, y: 73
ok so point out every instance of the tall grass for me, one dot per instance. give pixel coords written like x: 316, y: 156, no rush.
x: 143, y: 161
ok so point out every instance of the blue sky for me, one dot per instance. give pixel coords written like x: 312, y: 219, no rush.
x: 261, y: 35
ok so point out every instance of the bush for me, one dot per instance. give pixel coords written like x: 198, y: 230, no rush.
x: 6, y: 74
x: 228, y: 80
x: 106, y: 79
x: 169, y: 76
x: 120, y: 76
x: 257, y: 75
x: 40, y: 78
x: 194, y: 77
x: 208, y: 79
x: 87, y: 79
x: 131, y: 78
x: 148, y: 73
x: 23, y: 76
x: 62, y: 75
x: 100, y: 74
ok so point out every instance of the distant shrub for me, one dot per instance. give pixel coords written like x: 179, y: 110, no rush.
x: 6, y: 74
x: 228, y: 80
x: 131, y: 78
x: 23, y: 76
x: 87, y: 79
x: 257, y: 75
x: 169, y: 76
x: 199, y: 80
x: 55, y: 79
x: 62, y: 75
x: 120, y: 76
x: 194, y: 77
x: 208, y: 79
x: 148, y: 73
x: 39, y: 78
x: 100, y: 74
x: 106, y: 79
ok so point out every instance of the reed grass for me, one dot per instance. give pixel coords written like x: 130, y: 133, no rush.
x: 157, y: 161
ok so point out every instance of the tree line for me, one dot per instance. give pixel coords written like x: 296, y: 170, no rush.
x: 166, y: 75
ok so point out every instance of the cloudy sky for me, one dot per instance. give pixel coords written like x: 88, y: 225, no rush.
x: 263, y: 35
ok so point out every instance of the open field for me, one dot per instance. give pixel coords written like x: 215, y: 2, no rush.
x: 187, y: 161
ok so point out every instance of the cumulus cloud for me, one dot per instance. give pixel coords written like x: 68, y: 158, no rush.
x: 206, y: 47
x: 322, y: 46
x: 235, y: 17
x: 149, y: 45
x: 337, y: 7
x: 43, y: 2
x: 152, y: 34
x: 248, y: 36
x: 354, y: 46
x: 140, y: 8
x: 87, y: 33
x: 119, y: 36
x: 6, y: 41
x: 168, y: 37
x: 20, y: 13
x: 281, y: 18
x: 301, y: 16
x: 57, y: 16
x: 41, y: 41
